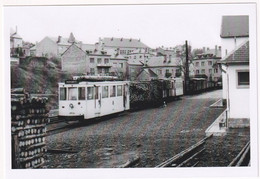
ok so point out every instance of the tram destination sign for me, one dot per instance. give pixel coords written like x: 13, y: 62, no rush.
x: 71, y: 82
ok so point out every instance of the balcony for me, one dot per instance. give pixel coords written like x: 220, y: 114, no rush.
x: 104, y: 65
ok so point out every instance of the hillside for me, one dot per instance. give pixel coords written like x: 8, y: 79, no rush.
x: 39, y: 80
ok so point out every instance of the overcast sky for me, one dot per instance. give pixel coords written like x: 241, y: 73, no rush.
x: 155, y: 25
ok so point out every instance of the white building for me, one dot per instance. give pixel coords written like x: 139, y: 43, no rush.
x: 236, y: 65
x: 234, y: 31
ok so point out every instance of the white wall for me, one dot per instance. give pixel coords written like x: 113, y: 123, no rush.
x: 238, y: 98
x: 228, y: 44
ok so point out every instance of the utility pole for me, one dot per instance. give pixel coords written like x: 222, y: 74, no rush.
x: 186, y: 77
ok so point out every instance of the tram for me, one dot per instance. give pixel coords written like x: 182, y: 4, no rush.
x: 86, y: 99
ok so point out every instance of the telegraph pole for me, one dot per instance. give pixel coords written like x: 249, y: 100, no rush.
x: 186, y: 77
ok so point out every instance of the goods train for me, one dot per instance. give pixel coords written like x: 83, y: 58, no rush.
x: 92, y: 99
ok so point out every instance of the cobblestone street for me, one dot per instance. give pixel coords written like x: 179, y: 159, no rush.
x: 152, y: 134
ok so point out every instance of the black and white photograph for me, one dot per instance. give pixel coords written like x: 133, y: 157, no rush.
x: 130, y: 90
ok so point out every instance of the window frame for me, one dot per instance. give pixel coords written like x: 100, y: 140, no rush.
x: 239, y: 86
x: 65, y: 95
x: 80, y: 92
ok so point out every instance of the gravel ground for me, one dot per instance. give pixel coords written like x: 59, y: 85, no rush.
x: 153, y: 135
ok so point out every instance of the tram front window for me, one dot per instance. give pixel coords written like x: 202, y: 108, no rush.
x: 81, y: 93
x: 72, y: 93
x: 63, y: 93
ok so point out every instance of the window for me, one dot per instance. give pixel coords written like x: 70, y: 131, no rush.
x: 203, y: 71
x: 141, y: 56
x: 92, y: 60
x: 197, y: 71
x: 106, y: 70
x: 119, y: 90
x: 243, y: 78
x: 216, y: 70
x: 121, y: 65
x: 81, y: 93
x: 209, y: 63
x: 106, y: 61
x: 112, y: 91
x: 114, y: 64
x: 104, y: 91
x: 99, y: 60
x: 90, y: 94
x: 99, y: 70
x: 210, y: 71
x: 197, y: 64
x: 202, y: 63
x: 63, y: 93
x: 92, y: 71
x: 72, y: 91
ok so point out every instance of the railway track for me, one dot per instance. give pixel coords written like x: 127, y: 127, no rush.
x: 243, y: 158
x: 187, y: 158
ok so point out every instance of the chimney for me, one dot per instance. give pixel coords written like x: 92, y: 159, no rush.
x: 121, y: 39
x: 96, y: 46
x: 59, y: 38
x: 216, y: 50
x: 219, y: 48
x: 204, y: 49
x: 112, y: 39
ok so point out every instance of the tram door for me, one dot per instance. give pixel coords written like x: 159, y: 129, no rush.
x: 125, y: 90
x: 97, y: 101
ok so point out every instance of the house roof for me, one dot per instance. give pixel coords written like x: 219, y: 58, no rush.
x: 135, y: 62
x: 234, y: 26
x: 72, y: 45
x: 239, y: 55
x: 88, y: 47
x: 147, y: 71
x: 160, y: 62
x: 15, y: 35
x: 209, y: 54
x: 64, y: 41
x: 121, y: 42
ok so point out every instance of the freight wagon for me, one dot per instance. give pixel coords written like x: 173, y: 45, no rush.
x: 155, y: 92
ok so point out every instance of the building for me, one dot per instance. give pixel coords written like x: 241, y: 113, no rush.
x: 146, y: 75
x: 134, y: 67
x: 73, y: 60
x: 93, y: 62
x: 234, y: 32
x: 206, y: 63
x: 119, y: 64
x: 123, y: 45
x: 236, y: 64
x: 164, y: 67
x: 16, y: 42
x: 53, y: 46
x: 142, y: 55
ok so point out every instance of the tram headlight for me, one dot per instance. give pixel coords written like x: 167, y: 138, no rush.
x: 71, y: 106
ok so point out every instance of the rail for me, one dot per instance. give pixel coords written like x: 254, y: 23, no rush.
x: 243, y: 158
x: 185, y: 156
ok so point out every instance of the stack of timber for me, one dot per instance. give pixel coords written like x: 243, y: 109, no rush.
x: 29, y: 117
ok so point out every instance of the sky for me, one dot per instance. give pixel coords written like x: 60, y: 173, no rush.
x: 155, y: 25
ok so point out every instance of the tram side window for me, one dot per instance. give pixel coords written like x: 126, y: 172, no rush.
x: 63, y: 93
x: 81, y: 93
x: 104, y: 91
x: 119, y: 90
x: 90, y: 93
x: 72, y: 93
x: 112, y: 91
